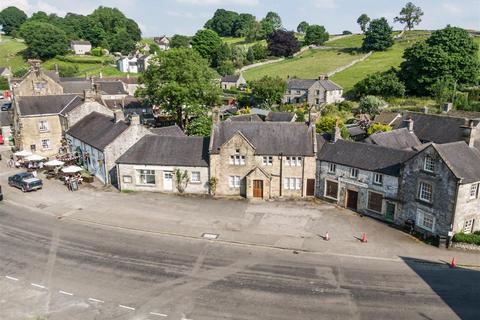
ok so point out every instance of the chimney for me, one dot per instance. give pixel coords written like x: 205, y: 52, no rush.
x: 337, y: 133
x: 408, y: 123
x: 35, y: 65
x: 215, y: 115
x: 118, y: 115
x: 472, y: 133
x: 101, y: 75
x: 88, y: 95
x: 321, y: 77
x: 134, y: 119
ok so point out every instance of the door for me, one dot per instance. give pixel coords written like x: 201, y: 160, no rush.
x: 257, y: 188
x: 168, y: 181
x: 390, y: 213
x: 310, y: 187
x: 352, y: 200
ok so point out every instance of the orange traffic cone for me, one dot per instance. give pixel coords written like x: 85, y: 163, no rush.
x: 327, y: 236
x: 453, y: 264
x: 364, y: 238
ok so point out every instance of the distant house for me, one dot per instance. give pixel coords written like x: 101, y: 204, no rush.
x: 37, y: 82
x: 110, y: 90
x: 245, y: 118
x: 162, y: 42
x: 5, y: 72
x: 81, y: 47
x: 232, y: 81
x: 128, y: 64
x: 313, y: 92
x: 281, y: 117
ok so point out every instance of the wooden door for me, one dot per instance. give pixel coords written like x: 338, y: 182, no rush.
x: 390, y: 213
x: 310, y: 187
x: 352, y: 199
x: 258, y: 188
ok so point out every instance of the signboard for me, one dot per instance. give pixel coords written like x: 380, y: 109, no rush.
x: 353, y: 182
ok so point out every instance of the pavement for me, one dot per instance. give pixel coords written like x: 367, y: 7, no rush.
x: 101, y: 254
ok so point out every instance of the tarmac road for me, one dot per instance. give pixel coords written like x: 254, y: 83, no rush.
x: 58, y: 269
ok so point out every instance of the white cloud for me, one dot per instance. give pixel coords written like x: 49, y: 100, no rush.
x: 451, y: 8
x: 325, y: 4
x: 221, y: 2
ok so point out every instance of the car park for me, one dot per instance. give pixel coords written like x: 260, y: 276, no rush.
x: 25, y: 181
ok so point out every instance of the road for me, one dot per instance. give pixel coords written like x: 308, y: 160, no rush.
x: 58, y: 269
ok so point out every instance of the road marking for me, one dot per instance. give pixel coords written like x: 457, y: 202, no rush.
x: 126, y: 307
x: 96, y: 300
x: 11, y: 278
x: 65, y: 293
x: 159, y: 314
x: 37, y: 285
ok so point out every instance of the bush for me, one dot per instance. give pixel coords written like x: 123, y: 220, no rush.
x: 385, y: 84
x: 376, y: 127
x: 370, y: 105
x: 461, y: 101
x: 345, y: 32
x: 97, y: 52
x: 473, y: 238
x: 67, y: 70
x: 4, y: 83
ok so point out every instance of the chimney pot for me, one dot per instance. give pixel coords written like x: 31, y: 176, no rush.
x: 408, y: 124
x: 134, y: 119
x: 118, y: 115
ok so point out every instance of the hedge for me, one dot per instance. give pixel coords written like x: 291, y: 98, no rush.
x: 473, y: 238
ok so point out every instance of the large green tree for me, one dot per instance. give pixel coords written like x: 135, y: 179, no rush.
x: 363, y: 22
x: 182, y: 84
x: 378, y: 36
x: 11, y: 18
x: 449, y: 53
x: 283, y: 43
x: 222, y: 22
x: 206, y: 42
x: 316, y: 35
x: 243, y: 24
x: 385, y: 84
x: 410, y: 16
x: 302, y: 27
x: 268, y: 91
x: 270, y: 23
x: 43, y: 40
x: 179, y: 41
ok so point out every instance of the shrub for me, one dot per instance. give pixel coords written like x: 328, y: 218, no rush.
x: 97, y: 52
x: 378, y: 127
x: 370, y: 105
x: 473, y: 238
x: 385, y: 84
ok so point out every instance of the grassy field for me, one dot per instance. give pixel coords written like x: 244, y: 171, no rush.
x: 9, y: 49
x: 353, y: 41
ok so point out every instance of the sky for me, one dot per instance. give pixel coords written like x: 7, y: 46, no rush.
x: 159, y: 17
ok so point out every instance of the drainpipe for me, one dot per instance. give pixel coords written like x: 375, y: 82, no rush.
x: 281, y: 174
x: 452, y: 223
x: 303, y: 177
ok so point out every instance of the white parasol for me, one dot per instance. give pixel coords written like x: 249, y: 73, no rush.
x: 72, y: 169
x: 54, y: 163
x: 23, y: 153
x: 34, y: 157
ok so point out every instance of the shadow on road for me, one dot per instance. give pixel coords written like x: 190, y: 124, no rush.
x: 458, y: 287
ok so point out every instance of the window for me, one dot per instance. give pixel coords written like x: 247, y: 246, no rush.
x: 425, y: 220
x: 293, y: 161
x: 127, y: 179
x: 237, y: 160
x: 40, y: 85
x: 289, y: 100
x: 375, y: 201
x: 33, y: 147
x: 43, y: 126
x: 354, y: 173
x: 297, y: 100
x: 267, y: 161
x: 292, y: 183
x: 299, y: 92
x: 378, y: 179
x: 195, y: 177
x: 146, y: 176
x: 46, y: 144
x: 425, y: 192
x: 474, y: 190
x: 332, y: 167
x: 317, y: 101
x: 429, y: 164
x: 331, y: 189
x: 468, y: 226
x: 234, y: 181
x: 317, y: 92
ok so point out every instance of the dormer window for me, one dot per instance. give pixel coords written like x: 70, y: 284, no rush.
x: 429, y: 164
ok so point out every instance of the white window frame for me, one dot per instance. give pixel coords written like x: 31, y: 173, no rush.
x: 48, y: 144
x: 43, y: 125
x: 292, y: 183
x: 332, y: 168
x: 429, y: 164
x: 144, y: 173
x: 378, y: 179
x: 237, y: 160
x: 474, y: 190
x: 423, y: 191
x: 127, y: 179
x: 234, y: 182
x: 267, y: 161
x: 420, y: 220
x: 193, y: 178
x: 468, y: 226
x: 354, y: 173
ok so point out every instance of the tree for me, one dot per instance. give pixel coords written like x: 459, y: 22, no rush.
x: 443, y: 90
x: 43, y: 40
x: 11, y: 19
x: 378, y: 127
x: 201, y: 125
x: 255, y: 32
x: 302, y: 27
x: 268, y: 91
x: 363, y: 21
x: 260, y: 51
x: 410, y: 15
x: 275, y: 19
x: 181, y: 83
x: 121, y: 42
x: 270, y: 24
x: 370, y: 105
x: 4, y: 83
x: 179, y: 41
x: 326, y: 124
x: 346, y: 32
x: 385, y: 84
x: 181, y: 180
x: 316, y: 35
x: 447, y: 53
x: 206, y: 42
x: 283, y: 43
x: 378, y: 36
x: 221, y: 55
x: 243, y: 24
x: 250, y: 56
x: 222, y: 22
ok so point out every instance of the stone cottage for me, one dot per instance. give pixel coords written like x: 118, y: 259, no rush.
x: 80, y: 47
x: 37, y: 82
x: 313, y: 92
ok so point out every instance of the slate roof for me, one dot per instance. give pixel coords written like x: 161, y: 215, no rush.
x: 76, y: 86
x: 305, y: 84
x: 111, y: 87
x: 97, y: 130
x: 230, y: 78
x: 2, y: 69
x: 329, y: 85
x: 80, y: 42
x: 280, y: 116
x: 365, y: 156
x: 268, y: 138
x: 386, y: 117
x: 51, y: 104
x: 246, y: 118
x: 168, y: 131
x: 354, y: 131
x: 396, y: 139
x: 168, y: 151
x: 463, y: 160
x: 435, y: 128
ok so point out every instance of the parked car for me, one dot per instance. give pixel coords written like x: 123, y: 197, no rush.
x: 1, y: 140
x: 6, y: 106
x: 25, y: 181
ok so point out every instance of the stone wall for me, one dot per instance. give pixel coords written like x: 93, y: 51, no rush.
x: 29, y: 134
x: 466, y: 209
x: 85, y: 109
x: 30, y: 85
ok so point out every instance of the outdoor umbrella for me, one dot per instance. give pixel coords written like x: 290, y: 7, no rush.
x: 23, y: 153
x: 34, y: 157
x: 71, y: 169
x: 54, y: 163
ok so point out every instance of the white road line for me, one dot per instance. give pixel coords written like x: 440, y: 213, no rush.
x: 159, y: 314
x: 37, y: 285
x: 126, y: 307
x: 96, y: 300
x: 11, y: 278
x: 65, y: 293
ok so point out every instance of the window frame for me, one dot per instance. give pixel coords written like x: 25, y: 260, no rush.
x: 237, y: 160
x: 468, y: 226
x: 267, y: 160
x: 326, y: 195
x: 474, y: 190
x: 292, y: 183
x: 330, y: 166
x: 420, y: 220
x: 127, y: 179
x: 369, y: 199
x: 378, y: 179
x: 354, y: 176
x: 49, y: 147
x: 192, y: 174
x: 143, y: 175
x: 45, y: 127
x: 428, y: 160
x: 232, y: 182
x: 421, y: 191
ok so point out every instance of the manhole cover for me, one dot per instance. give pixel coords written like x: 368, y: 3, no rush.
x: 210, y: 236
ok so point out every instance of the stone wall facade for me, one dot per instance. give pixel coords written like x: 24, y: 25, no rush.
x: 29, y: 136
x: 84, y: 110
x: 314, y: 96
x: 467, y: 208
x: 37, y: 83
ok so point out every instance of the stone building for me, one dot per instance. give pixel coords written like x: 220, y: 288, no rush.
x: 229, y: 82
x: 80, y: 47
x: 359, y: 176
x: 440, y: 189
x: 37, y: 82
x: 263, y: 159
x: 313, y: 92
